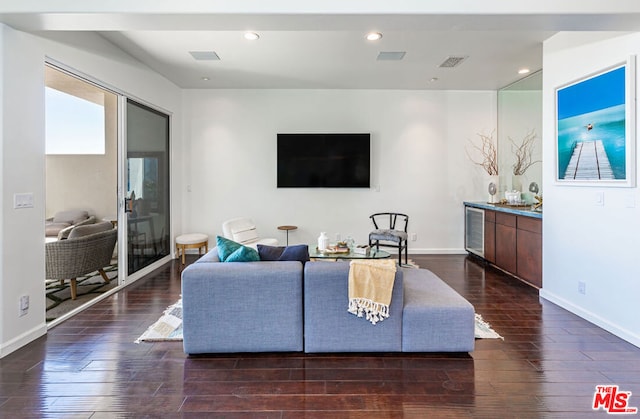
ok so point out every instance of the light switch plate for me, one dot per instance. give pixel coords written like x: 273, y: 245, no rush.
x: 23, y: 200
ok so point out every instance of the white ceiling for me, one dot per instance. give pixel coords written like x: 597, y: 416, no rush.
x: 342, y: 59
x: 315, y: 50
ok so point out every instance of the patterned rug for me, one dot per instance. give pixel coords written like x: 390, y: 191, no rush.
x: 58, y: 296
x: 410, y: 264
x: 169, y: 327
x: 484, y: 330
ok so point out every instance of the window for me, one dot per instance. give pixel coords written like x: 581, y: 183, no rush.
x: 74, y: 125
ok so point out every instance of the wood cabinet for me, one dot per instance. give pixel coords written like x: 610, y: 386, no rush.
x: 513, y: 243
x: 529, y: 250
x: 506, y: 241
x: 490, y: 236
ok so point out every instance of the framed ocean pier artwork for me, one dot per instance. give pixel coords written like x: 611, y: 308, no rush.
x: 595, y: 128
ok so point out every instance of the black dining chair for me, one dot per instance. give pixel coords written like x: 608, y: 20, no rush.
x: 394, y: 236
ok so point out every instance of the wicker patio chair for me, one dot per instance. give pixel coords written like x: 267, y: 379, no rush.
x: 77, y: 256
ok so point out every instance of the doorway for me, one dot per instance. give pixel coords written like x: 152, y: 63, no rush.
x: 81, y: 185
x: 110, y: 163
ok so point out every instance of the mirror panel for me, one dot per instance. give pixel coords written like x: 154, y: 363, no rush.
x: 519, y: 113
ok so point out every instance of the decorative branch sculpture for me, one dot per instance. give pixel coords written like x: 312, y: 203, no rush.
x: 524, y: 153
x: 489, y: 153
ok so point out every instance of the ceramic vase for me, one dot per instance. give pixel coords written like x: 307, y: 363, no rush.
x: 323, y: 241
x: 516, y: 183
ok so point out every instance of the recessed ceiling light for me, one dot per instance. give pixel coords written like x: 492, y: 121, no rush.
x: 523, y: 71
x: 373, y: 36
x: 251, y: 36
x: 206, y: 78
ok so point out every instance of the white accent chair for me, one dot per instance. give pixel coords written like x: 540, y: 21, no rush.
x: 243, y: 230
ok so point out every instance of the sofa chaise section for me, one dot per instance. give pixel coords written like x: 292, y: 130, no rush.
x: 329, y: 327
x: 242, y: 306
x: 435, y: 318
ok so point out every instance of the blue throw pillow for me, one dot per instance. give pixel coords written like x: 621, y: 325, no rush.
x: 269, y: 252
x: 230, y: 251
x: 299, y: 252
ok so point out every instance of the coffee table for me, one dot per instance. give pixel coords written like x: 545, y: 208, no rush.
x: 314, y: 253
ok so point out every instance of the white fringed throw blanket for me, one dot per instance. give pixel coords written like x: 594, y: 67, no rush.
x: 370, y: 288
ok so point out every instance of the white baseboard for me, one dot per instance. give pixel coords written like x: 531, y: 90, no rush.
x: 613, y: 328
x: 20, y: 341
x: 432, y: 251
x: 192, y: 251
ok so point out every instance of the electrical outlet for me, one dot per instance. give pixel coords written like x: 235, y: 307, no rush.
x: 582, y: 287
x: 24, y: 305
x: 414, y: 237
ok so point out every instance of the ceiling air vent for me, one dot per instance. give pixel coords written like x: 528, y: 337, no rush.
x: 390, y: 55
x: 453, y: 61
x: 204, y: 55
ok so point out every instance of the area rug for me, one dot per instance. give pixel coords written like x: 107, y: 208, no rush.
x: 410, y: 264
x: 484, y: 330
x: 58, y: 296
x: 169, y: 327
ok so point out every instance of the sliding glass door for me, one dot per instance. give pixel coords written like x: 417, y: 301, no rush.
x: 81, y: 155
x: 147, y: 185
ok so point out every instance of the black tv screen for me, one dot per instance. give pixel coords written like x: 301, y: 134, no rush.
x: 323, y: 160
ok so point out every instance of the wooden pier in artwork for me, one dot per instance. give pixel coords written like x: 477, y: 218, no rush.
x: 589, y: 161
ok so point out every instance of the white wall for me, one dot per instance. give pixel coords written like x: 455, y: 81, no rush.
x: 23, y: 160
x: 584, y: 241
x: 22, y: 231
x: 418, y: 161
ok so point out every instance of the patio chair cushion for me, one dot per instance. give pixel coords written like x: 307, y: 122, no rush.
x: 85, y: 230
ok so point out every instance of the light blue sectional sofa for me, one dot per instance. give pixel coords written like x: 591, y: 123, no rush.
x: 288, y: 307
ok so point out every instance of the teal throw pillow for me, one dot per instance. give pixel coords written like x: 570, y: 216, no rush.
x: 230, y: 251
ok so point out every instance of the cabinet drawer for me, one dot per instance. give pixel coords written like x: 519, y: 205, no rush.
x: 506, y: 219
x: 533, y: 225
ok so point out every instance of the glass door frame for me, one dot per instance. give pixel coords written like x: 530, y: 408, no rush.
x: 121, y: 100
x: 123, y: 261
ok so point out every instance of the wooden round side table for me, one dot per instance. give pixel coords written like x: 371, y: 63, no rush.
x: 287, y: 229
x: 191, y: 241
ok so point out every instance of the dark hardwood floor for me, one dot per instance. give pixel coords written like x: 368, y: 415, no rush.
x: 547, y: 366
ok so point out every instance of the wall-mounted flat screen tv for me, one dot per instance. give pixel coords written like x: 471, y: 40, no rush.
x: 324, y: 160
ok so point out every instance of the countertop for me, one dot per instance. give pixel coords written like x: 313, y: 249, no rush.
x: 517, y: 210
